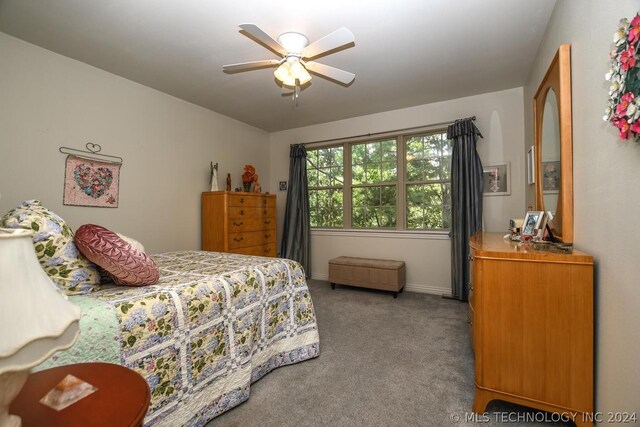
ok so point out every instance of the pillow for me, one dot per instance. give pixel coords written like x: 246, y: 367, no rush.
x: 133, y: 242
x: 54, y: 246
x: 124, y: 264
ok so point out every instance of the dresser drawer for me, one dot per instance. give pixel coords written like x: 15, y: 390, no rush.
x: 262, y: 250
x: 251, y: 238
x: 250, y: 201
x: 241, y: 225
x: 244, y: 212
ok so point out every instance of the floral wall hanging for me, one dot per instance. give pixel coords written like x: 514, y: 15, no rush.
x: 91, y: 183
x: 623, y: 110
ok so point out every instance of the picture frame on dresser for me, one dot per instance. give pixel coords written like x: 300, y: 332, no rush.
x: 532, y: 221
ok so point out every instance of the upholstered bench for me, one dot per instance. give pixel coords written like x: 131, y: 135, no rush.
x: 386, y: 275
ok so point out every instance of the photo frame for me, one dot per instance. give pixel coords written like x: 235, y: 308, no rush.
x: 496, y: 180
x: 551, y: 177
x: 531, y: 166
x: 532, y: 223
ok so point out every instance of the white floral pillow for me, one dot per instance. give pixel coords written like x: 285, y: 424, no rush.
x: 53, y: 243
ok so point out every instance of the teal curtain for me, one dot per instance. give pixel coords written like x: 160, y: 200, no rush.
x: 466, y: 201
x: 296, y: 235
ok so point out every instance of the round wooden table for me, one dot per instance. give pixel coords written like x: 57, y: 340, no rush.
x: 122, y: 398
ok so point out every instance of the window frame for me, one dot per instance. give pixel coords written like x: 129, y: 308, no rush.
x: 400, y: 183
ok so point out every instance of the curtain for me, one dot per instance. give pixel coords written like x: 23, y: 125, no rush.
x: 296, y: 236
x: 466, y: 201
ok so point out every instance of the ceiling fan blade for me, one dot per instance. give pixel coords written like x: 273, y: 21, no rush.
x: 336, y: 74
x: 329, y: 42
x: 245, y: 66
x: 264, y: 38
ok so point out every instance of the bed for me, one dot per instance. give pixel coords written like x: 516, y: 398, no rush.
x: 213, y: 324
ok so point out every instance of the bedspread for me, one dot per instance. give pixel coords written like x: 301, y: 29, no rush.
x: 215, y: 323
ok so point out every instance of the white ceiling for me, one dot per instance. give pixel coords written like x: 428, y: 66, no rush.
x: 407, y: 52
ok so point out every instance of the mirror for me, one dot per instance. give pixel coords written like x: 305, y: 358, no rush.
x: 550, y: 152
x: 553, y: 146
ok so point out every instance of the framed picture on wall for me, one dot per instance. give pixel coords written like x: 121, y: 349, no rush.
x: 496, y: 180
x: 551, y: 176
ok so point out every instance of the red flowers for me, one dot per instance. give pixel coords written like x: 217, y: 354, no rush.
x: 628, y: 59
x: 634, y: 30
x: 623, y: 109
x: 249, y: 174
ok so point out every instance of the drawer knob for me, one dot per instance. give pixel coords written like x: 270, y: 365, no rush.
x: 267, y: 250
x: 470, y: 257
x: 241, y: 211
x: 238, y: 240
x: 266, y: 236
x: 265, y: 212
x: 268, y: 222
x: 238, y: 224
x: 241, y: 199
x: 469, y: 321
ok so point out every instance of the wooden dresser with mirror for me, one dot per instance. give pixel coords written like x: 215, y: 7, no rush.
x: 531, y: 304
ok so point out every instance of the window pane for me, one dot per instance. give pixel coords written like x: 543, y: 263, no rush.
x: 323, y: 177
x: 372, y: 175
x: 373, y: 152
x: 428, y: 206
x: 388, y: 172
x: 357, y: 174
x: 326, y: 208
x: 357, y: 154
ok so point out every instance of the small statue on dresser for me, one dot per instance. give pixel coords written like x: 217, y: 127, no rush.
x: 228, y: 182
x: 257, y: 188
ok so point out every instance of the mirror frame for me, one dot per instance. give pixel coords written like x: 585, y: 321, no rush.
x: 558, y: 78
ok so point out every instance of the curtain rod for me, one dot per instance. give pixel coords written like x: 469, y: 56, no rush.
x: 383, y: 133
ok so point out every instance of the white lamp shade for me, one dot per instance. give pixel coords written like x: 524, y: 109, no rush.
x: 290, y: 70
x: 282, y: 72
x: 298, y: 71
x: 36, y: 318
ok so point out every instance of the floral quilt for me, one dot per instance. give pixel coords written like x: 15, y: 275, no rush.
x: 214, y: 324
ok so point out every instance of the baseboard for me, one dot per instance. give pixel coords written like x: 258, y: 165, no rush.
x: 409, y: 287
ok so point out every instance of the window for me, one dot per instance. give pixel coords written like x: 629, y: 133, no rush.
x: 374, y: 176
x: 428, y: 180
x: 325, y: 177
x: 396, y: 183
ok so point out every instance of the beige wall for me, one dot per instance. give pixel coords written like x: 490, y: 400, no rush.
x: 606, y: 191
x: 499, y: 118
x: 48, y: 101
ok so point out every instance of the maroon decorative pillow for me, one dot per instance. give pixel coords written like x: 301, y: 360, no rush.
x: 124, y: 264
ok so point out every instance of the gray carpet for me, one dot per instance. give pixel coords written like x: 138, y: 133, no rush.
x: 383, y: 362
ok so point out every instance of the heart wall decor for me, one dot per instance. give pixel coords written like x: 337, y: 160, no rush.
x: 91, y: 183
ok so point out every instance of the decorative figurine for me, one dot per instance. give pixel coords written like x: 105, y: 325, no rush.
x: 213, y: 179
x: 228, y: 182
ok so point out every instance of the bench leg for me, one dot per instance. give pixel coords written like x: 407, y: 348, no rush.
x: 333, y: 285
x: 395, y: 294
x: 401, y: 290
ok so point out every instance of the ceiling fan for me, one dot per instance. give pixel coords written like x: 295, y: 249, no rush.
x: 295, y: 50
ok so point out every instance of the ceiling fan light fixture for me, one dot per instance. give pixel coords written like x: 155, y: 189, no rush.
x: 290, y: 71
x: 293, y: 42
x: 298, y: 71
x: 282, y: 72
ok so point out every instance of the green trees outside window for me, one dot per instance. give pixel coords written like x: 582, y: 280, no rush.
x: 367, y: 185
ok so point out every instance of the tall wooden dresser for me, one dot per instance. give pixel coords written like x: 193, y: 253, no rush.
x: 531, y: 316
x: 243, y: 223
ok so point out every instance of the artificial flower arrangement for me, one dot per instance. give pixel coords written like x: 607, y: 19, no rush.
x: 623, y: 110
x: 248, y: 177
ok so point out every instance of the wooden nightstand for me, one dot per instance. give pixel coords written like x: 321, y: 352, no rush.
x: 122, y: 398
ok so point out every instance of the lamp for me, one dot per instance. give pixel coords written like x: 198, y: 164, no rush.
x: 36, y: 319
x: 290, y: 71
